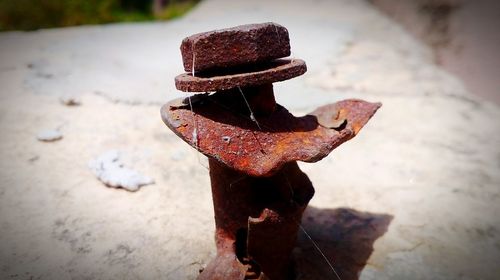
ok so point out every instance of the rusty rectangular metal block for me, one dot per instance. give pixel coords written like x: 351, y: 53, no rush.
x: 238, y: 46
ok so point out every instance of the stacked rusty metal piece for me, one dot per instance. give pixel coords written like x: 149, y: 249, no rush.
x: 253, y: 144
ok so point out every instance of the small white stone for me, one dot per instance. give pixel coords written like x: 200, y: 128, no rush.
x: 49, y: 135
x: 109, y: 170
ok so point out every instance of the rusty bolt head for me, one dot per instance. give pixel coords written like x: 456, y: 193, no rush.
x: 236, y: 46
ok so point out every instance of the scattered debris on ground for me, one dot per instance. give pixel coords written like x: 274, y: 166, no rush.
x: 110, y: 170
x: 49, y: 135
x: 70, y: 100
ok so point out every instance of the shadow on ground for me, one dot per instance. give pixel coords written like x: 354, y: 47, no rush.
x: 345, y: 236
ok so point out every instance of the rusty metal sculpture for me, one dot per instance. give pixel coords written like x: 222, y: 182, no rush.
x: 253, y: 144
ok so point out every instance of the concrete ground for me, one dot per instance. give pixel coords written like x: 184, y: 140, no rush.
x: 462, y: 33
x: 416, y: 195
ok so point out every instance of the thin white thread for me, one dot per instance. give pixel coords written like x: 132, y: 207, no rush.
x: 236, y: 181
x: 292, y: 193
x: 194, y: 135
x: 252, y: 117
x: 319, y: 250
x: 192, y: 65
x: 289, y: 185
x: 239, y: 114
x: 301, y: 227
x: 192, y: 68
x: 307, y: 234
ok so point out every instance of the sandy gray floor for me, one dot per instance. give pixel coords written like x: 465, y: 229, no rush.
x: 415, y: 196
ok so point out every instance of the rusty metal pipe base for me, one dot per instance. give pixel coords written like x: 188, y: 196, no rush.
x: 253, y: 143
x: 257, y: 220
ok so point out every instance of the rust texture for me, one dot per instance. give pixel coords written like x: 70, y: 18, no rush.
x: 226, y: 132
x: 275, y: 71
x: 241, y: 45
x: 257, y: 219
x: 253, y: 145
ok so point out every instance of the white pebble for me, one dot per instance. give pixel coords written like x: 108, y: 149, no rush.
x: 109, y: 170
x: 49, y: 135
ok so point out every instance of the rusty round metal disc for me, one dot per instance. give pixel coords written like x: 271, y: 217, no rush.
x: 234, y: 139
x: 270, y: 72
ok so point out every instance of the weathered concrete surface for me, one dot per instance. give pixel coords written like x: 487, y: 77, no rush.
x: 462, y: 33
x: 416, y: 194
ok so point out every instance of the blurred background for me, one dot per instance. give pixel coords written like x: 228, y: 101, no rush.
x: 36, y: 14
x: 463, y: 34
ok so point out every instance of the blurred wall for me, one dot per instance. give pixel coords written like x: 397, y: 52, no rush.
x: 464, y: 35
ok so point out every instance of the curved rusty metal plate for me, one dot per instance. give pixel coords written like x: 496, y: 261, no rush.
x: 232, y: 138
x: 274, y: 71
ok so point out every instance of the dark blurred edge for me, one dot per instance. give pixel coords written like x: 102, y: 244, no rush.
x: 37, y: 14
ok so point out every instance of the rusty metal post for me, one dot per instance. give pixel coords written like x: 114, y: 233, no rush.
x: 257, y: 219
x: 253, y: 143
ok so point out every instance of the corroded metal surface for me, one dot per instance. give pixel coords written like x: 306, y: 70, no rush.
x: 257, y: 219
x: 234, y: 139
x: 274, y: 71
x: 236, y: 46
x: 253, y: 144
